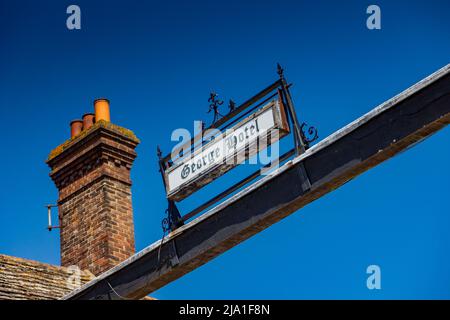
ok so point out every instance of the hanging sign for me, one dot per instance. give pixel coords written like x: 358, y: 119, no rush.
x: 233, y: 147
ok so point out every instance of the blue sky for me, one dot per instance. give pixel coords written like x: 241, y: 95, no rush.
x: 157, y: 63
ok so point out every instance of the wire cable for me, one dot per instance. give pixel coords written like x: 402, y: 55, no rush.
x: 121, y: 297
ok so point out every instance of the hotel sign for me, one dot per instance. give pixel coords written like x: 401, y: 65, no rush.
x: 233, y: 147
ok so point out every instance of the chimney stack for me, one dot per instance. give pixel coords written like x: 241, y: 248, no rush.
x: 92, y: 174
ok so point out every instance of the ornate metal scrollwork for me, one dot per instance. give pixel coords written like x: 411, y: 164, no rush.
x: 280, y: 70
x: 159, y: 153
x: 310, y: 135
x: 231, y: 106
x: 165, y: 224
x: 173, y: 219
x: 214, y: 104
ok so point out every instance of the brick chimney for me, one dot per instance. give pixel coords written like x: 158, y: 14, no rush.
x: 92, y: 174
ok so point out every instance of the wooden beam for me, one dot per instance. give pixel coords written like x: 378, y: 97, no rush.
x: 392, y: 127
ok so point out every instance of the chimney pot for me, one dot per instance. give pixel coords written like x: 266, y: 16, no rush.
x: 101, y: 107
x: 88, y: 120
x: 76, y: 126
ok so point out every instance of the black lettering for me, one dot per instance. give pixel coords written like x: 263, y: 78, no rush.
x: 185, y: 172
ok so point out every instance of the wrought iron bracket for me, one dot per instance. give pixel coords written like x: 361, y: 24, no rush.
x: 173, y: 219
x: 302, y: 138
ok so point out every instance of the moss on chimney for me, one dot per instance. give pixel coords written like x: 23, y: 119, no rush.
x: 103, y: 124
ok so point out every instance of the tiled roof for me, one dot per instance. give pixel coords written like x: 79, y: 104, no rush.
x: 22, y: 279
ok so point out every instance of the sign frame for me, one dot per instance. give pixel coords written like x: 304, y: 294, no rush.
x: 221, y: 167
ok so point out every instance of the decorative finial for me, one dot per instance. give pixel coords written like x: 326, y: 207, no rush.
x: 231, y: 105
x: 159, y: 152
x: 280, y: 70
x: 214, y: 104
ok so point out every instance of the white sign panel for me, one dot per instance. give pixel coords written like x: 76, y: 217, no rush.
x: 219, y: 155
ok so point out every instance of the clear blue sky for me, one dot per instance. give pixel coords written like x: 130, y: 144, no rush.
x: 157, y: 63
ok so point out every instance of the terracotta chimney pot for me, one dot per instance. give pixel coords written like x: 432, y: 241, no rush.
x: 88, y: 120
x: 76, y: 126
x: 101, y: 107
